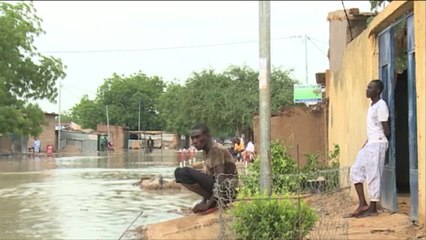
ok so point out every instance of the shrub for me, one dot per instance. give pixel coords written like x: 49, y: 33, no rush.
x: 272, y: 218
x: 285, y: 173
x: 283, y: 165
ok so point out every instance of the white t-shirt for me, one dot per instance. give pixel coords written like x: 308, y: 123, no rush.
x: 377, y: 113
x: 250, y: 147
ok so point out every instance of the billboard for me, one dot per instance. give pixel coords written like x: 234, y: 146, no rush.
x: 307, y: 93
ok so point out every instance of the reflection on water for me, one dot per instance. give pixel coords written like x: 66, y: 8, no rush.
x: 84, y: 197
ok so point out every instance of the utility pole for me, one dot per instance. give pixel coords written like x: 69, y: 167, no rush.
x: 139, y: 120
x: 265, y: 97
x: 306, y: 59
x: 59, y: 118
x: 106, y: 107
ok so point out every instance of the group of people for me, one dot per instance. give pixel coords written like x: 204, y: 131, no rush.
x: 241, y: 153
x: 36, y: 149
x: 105, y: 144
x: 221, y: 167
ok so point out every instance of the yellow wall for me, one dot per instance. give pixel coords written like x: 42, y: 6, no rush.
x: 348, y: 104
x: 420, y: 48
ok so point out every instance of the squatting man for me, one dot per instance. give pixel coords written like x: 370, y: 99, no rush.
x: 220, y: 167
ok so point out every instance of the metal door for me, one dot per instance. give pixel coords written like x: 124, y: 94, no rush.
x: 412, y: 120
x: 386, y: 72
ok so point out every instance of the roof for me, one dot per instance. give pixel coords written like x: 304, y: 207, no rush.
x: 147, y: 132
x: 52, y: 113
x: 353, y: 13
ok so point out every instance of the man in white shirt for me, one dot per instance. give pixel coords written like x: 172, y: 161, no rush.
x: 369, y: 162
x: 36, y: 146
x: 249, y: 152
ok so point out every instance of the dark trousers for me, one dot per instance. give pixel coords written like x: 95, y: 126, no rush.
x: 187, y: 175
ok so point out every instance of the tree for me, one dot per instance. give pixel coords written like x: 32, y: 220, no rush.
x: 173, y: 106
x: 210, y: 98
x: 25, y: 74
x: 66, y: 116
x: 123, y: 95
x: 87, y: 113
x: 375, y: 4
x: 225, y: 101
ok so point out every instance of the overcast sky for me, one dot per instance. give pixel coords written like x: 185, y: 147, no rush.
x: 174, y: 39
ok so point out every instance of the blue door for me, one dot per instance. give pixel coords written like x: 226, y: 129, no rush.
x: 386, y: 72
x: 412, y: 120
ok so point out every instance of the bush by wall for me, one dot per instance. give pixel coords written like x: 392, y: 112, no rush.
x: 272, y: 218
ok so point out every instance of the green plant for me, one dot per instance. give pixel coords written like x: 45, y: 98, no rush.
x: 333, y: 157
x: 272, y: 218
x: 312, y: 163
x: 283, y: 166
x: 286, y: 177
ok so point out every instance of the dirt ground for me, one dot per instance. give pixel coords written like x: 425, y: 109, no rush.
x: 332, y: 207
x: 384, y: 226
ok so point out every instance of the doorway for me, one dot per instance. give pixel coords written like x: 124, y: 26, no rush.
x: 397, y: 67
x: 402, y: 163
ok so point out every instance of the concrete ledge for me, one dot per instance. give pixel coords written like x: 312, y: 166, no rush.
x: 194, y: 227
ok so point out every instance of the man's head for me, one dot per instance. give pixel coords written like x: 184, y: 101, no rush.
x: 200, y: 136
x: 374, y: 88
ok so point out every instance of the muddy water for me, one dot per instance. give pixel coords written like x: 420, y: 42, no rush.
x: 84, y: 197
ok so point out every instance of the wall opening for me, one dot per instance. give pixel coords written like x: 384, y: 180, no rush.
x: 401, y: 112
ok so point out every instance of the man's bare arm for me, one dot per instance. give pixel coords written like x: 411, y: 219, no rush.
x: 386, y: 129
x: 219, y: 171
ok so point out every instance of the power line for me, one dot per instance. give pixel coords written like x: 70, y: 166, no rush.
x: 162, y: 48
x: 71, y: 92
x: 320, y: 41
x: 317, y: 47
x: 79, y: 89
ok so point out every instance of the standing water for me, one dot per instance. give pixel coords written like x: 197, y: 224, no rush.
x: 85, y: 197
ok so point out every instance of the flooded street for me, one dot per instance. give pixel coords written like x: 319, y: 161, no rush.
x: 85, y: 197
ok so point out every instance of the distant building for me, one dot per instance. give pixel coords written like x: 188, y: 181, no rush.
x: 14, y: 143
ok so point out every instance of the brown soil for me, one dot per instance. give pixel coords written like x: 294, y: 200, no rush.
x: 332, y: 205
x: 384, y: 226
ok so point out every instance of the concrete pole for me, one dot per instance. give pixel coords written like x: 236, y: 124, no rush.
x: 265, y: 97
x: 106, y: 107
x: 306, y: 59
x: 58, y: 148
x: 139, y: 121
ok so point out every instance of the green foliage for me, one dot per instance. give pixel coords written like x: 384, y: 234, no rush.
x: 333, y: 156
x: 174, y: 108
x: 286, y: 176
x: 226, y: 101
x: 66, y: 116
x: 283, y: 166
x: 124, y: 96
x: 88, y: 113
x: 270, y: 218
x: 375, y: 4
x: 25, y: 74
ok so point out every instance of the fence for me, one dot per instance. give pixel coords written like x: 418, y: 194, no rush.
x: 303, y: 206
